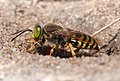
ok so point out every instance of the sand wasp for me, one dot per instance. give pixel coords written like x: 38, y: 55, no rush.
x: 61, y: 37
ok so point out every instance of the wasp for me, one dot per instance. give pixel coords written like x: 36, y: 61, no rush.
x: 61, y: 37
x: 73, y: 39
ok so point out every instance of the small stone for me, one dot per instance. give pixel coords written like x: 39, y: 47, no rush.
x: 13, y: 49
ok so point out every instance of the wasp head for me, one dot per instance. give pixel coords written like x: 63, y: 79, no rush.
x: 37, y: 32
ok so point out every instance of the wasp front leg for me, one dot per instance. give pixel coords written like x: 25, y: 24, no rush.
x: 31, y: 49
x: 52, y: 50
x: 32, y: 45
x: 72, y: 51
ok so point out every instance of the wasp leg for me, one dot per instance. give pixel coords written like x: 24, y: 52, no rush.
x: 32, y: 45
x: 72, y: 51
x: 31, y: 49
x: 52, y: 50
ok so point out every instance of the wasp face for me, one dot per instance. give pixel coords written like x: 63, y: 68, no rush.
x: 38, y: 32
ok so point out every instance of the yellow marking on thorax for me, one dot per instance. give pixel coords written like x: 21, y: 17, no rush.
x: 45, y: 36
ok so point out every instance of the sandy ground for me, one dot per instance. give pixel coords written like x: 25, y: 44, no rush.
x: 87, y: 16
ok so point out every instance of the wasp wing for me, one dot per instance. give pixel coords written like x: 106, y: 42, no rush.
x: 50, y: 27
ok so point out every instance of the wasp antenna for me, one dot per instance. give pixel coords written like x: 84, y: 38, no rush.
x: 22, y: 31
x: 17, y: 32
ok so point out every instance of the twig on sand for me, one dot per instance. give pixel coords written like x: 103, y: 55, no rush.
x: 100, y: 30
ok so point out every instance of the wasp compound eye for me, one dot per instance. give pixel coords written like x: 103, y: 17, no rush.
x: 37, y: 32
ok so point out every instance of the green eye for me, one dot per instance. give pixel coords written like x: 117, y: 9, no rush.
x: 37, y: 32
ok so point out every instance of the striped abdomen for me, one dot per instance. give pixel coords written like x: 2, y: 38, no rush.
x: 83, y: 41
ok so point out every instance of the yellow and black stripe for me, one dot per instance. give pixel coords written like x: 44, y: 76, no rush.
x: 84, y: 41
